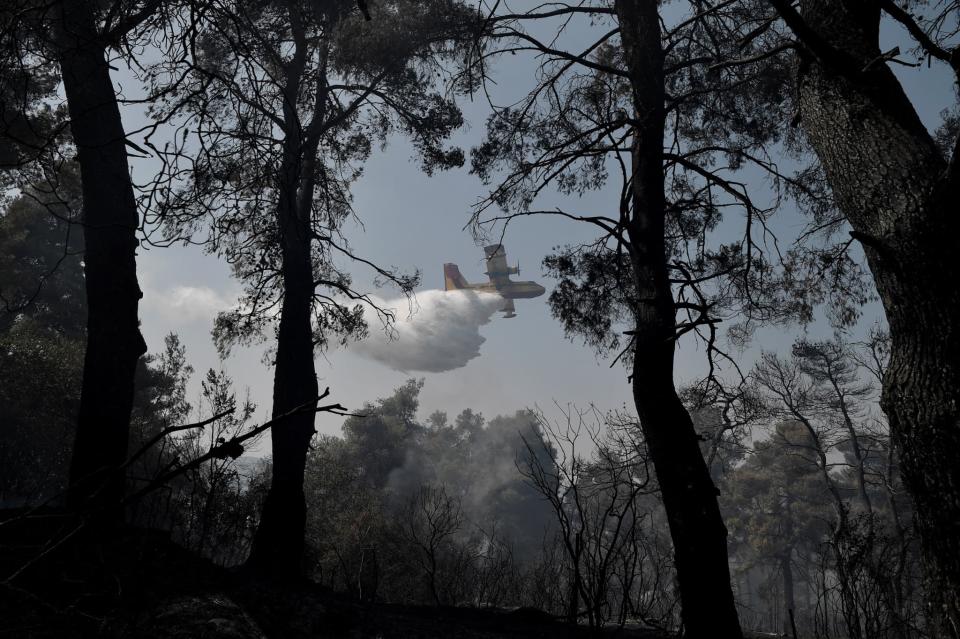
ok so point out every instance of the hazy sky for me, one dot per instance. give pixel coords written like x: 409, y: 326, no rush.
x: 412, y: 221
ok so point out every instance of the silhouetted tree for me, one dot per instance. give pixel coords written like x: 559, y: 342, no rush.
x: 433, y: 518
x: 897, y: 188
x: 283, y: 102
x: 644, y: 103
x: 76, y: 35
x: 593, y: 481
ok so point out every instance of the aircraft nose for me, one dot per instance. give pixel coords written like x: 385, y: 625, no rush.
x: 540, y: 290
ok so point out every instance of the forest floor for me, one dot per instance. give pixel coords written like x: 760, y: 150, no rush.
x: 138, y: 583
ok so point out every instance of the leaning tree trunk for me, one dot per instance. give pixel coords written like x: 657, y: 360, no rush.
x: 689, y: 494
x: 900, y: 196
x: 114, y: 342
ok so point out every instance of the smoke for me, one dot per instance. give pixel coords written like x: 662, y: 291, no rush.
x: 478, y: 463
x: 440, y: 334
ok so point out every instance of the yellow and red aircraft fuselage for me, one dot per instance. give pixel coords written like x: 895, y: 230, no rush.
x: 499, y: 282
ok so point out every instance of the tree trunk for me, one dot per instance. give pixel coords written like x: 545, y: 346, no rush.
x: 786, y: 572
x: 899, y: 194
x: 573, y: 601
x: 689, y: 495
x: 789, y: 601
x: 278, y: 545
x: 114, y: 342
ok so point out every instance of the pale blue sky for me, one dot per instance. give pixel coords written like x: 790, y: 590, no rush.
x: 412, y: 221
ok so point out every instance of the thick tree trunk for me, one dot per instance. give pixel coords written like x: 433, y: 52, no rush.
x: 689, y: 495
x: 114, y: 342
x: 900, y: 196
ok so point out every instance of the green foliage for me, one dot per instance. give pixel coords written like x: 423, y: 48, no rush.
x: 160, y: 395
x: 378, y: 440
x: 212, y: 508
x: 41, y: 340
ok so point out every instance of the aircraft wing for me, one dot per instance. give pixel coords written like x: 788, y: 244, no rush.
x: 497, y: 269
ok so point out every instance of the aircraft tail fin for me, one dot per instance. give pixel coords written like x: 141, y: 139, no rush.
x: 452, y: 279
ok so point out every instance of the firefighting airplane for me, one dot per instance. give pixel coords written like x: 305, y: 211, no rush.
x: 500, y: 282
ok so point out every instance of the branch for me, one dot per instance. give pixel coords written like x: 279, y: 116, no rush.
x: 233, y: 447
x: 951, y: 57
x: 174, y: 429
x: 612, y: 227
x: 116, y: 33
x: 571, y: 57
x: 533, y: 15
x: 828, y: 54
x: 51, y: 546
x: 787, y: 46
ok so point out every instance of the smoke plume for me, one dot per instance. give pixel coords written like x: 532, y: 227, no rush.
x: 440, y: 334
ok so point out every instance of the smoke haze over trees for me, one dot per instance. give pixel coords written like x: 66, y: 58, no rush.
x: 751, y: 208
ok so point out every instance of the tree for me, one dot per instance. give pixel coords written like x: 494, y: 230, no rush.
x: 110, y: 218
x: 831, y: 431
x: 774, y: 506
x: 379, y: 436
x: 30, y: 124
x: 41, y: 244
x: 39, y: 377
x: 283, y: 102
x: 43, y: 329
x: 214, y: 518
x: 346, y: 523
x: 593, y: 472
x: 897, y: 188
x: 375, y: 495
x: 76, y: 34
x: 434, y: 517
x: 645, y: 103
